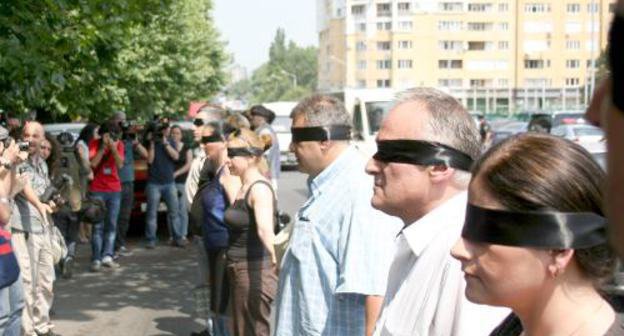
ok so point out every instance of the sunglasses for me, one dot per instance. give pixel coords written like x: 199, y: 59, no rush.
x: 198, y: 122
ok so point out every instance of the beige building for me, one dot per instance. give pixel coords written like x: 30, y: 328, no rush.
x: 487, y: 53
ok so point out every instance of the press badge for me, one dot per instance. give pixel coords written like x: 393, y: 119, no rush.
x: 107, y: 171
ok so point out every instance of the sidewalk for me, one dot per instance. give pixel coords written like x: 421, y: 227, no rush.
x: 150, y: 294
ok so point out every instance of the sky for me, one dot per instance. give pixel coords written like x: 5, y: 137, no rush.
x: 248, y: 26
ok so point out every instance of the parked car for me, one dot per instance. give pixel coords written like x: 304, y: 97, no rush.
x: 502, y: 132
x: 73, y: 128
x: 579, y: 133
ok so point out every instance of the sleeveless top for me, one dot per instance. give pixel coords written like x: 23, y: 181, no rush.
x: 245, y: 244
x: 511, y: 326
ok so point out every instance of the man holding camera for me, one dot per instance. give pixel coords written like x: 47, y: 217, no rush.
x: 11, y: 293
x: 32, y: 247
x: 106, y: 156
x: 161, y: 157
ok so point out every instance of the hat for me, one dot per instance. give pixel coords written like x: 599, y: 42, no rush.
x: 262, y: 111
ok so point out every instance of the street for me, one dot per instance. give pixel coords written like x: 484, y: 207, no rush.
x: 150, y: 294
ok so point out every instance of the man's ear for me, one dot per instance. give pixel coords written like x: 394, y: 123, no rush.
x: 440, y: 173
x: 325, y: 145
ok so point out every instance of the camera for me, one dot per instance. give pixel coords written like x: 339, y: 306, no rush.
x: 128, y: 130
x: 66, y: 140
x: 53, y: 192
x: 155, y: 130
x: 112, y: 129
x: 23, y: 146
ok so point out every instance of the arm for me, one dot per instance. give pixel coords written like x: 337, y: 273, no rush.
x: 140, y: 149
x: 150, y: 153
x: 32, y: 197
x: 187, y: 165
x: 84, y: 163
x: 261, y: 201
x: 372, y: 309
x: 97, y: 159
x: 172, y: 152
x: 114, y: 149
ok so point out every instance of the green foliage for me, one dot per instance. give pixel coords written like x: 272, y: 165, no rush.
x: 90, y: 58
x: 275, y: 80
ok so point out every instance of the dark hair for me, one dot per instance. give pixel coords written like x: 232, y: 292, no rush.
x: 53, y: 161
x: 533, y: 172
x: 264, y: 112
x: 86, y: 134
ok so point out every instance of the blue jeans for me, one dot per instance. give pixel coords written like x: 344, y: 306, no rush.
x: 11, y: 305
x: 104, y: 233
x: 182, y: 209
x: 153, y: 193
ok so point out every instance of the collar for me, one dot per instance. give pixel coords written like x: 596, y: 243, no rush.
x: 316, y: 184
x: 448, y: 214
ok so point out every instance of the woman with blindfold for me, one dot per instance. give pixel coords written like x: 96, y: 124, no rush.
x: 217, y: 194
x: 534, y: 238
x: 251, y: 219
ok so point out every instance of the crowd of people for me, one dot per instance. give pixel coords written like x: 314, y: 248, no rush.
x: 429, y: 236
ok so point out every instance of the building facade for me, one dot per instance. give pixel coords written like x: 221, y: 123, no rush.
x: 494, y: 55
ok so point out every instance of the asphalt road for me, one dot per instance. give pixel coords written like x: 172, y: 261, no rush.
x: 151, y: 293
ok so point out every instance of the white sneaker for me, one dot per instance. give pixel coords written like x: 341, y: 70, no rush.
x: 108, y: 262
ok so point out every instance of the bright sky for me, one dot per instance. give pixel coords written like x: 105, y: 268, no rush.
x: 249, y: 26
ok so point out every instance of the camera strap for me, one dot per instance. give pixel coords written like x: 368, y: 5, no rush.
x: 536, y: 229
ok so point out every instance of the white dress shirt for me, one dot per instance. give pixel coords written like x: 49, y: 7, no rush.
x: 425, y: 293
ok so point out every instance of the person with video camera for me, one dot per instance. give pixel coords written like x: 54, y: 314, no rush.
x: 126, y: 175
x: 161, y: 158
x: 106, y: 156
x: 11, y: 293
x: 29, y: 226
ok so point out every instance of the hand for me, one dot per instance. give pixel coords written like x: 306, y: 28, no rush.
x: 22, y: 156
x: 106, y: 139
x: 11, y: 153
x: 44, y: 210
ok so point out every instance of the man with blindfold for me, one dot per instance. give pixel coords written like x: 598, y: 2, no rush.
x: 426, y: 145
x: 334, y: 272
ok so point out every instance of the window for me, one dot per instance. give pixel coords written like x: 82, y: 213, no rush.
x: 450, y: 25
x: 358, y: 10
x: 503, y: 45
x: 384, y: 9
x: 480, y: 83
x: 538, y: 27
x: 451, y: 6
x: 573, y: 8
x: 573, y: 44
x: 592, y: 27
x: 384, y: 64
x: 383, y: 83
x: 383, y: 45
x: 536, y: 8
x: 480, y: 7
x: 450, y: 64
x: 360, y: 27
x: 450, y: 82
x: 361, y: 83
x: 480, y: 26
x: 532, y: 46
x: 486, y: 65
x: 384, y: 26
x: 406, y: 44
x: 360, y: 46
x: 503, y: 7
x: 405, y: 25
x: 480, y: 45
x: 573, y: 64
x: 502, y: 82
x: 573, y: 27
x: 534, y: 64
x: 361, y: 65
x: 572, y: 81
x: 537, y: 82
x: 450, y: 45
x: 405, y: 64
x: 593, y: 7
x: 503, y: 26
x: 404, y: 8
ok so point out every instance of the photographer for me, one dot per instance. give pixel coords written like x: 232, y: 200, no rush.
x: 11, y: 293
x: 126, y: 175
x: 30, y: 241
x: 161, y: 158
x: 106, y: 158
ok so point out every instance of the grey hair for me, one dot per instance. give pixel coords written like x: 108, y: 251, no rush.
x: 210, y: 114
x: 321, y: 110
x: 449, y: 123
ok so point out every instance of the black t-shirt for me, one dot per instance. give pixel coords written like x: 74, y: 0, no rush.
x: 180, y: 163
x: 162, y: 168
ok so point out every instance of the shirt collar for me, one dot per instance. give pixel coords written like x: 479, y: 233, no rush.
x: 448, y: 214
x: 316, y: 184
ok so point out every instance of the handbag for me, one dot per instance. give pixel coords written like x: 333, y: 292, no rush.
x: 58, y: 247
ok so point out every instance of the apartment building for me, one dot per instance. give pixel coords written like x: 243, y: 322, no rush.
x: 494, y: 55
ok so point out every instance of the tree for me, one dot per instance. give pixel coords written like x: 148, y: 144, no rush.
x: 289, y: 74
x: 92, y: 57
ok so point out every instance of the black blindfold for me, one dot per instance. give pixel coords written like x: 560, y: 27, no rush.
x: 543, y: 230
x: 211, y: 139
x: 244, y: 151
x: 321, y: 133
x: 423, y: 153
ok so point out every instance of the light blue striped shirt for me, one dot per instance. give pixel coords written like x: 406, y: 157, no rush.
x: 339, y: 253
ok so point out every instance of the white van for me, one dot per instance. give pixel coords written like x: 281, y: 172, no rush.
x: 281, y: 126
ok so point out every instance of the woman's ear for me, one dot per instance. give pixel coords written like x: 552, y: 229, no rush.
x: 559, y: 261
